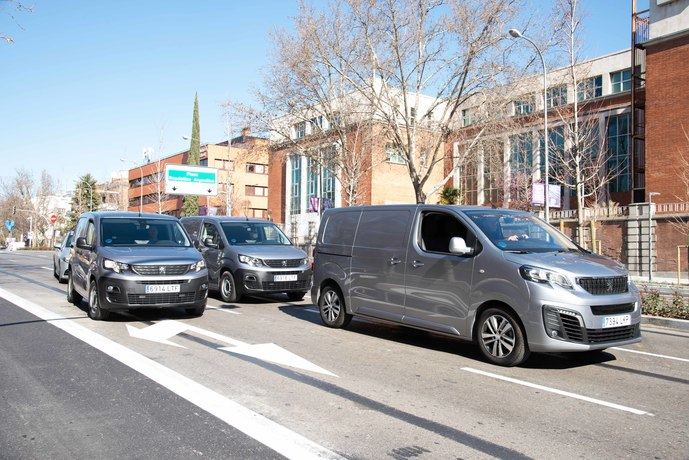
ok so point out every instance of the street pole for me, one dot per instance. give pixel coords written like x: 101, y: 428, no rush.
x: 546, y: 183
x: 650, y: 234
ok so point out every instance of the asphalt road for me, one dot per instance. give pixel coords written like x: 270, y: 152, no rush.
x: 214, y: 387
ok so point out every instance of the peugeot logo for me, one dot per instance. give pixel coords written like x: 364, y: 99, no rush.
x: 161, y: 270
x: 608, y: 285
x: 284, y: 263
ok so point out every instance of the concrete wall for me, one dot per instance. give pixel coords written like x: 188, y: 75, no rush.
x: 668, y: 17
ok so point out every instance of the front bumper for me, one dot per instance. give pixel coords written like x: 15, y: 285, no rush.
x: 581, y: 320
x: 263, y: 281
x: 125, y: 292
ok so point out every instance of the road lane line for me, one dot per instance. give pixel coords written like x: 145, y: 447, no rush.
x: 224, y: 310
x: 279, y: 438
x: 556, y: 391
x: 651, y: 354
x: 46, y: 268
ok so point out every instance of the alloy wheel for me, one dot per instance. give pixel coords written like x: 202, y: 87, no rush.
x: 226, y: 288
x: 331, y: 306
x: 498, y: 336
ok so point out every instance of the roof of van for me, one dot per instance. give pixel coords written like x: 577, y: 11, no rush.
x: 127, y: 214
x: 428, y: 206
x: 226, y: 219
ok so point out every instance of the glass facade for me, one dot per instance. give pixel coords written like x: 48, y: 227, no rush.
x: 556, y: 145
x: 557, y: 96
x: 590, y: 88
x: 295, y: 198
x: 521, y: 153
x: 618, y: 152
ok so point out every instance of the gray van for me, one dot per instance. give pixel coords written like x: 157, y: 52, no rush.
x: 127, y: 260
x: 502, y: 278
x: 249, y: 256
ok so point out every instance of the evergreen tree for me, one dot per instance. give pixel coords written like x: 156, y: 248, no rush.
x: 190, y: 203
x: 85, y: 198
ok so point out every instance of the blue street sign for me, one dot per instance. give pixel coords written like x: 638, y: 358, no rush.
x: 9, y: 224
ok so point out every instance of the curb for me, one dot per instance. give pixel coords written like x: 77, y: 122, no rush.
x: 679, y: 324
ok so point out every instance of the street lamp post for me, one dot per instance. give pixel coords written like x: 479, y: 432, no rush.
x: 650, y: 234
x: 546, y: 184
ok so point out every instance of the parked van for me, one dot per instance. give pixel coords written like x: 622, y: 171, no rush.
x: 502, y: 278
x: 127, y: 260
x: 249, y: 256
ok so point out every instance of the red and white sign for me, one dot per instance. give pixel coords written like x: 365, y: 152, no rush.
x: 53, y: 218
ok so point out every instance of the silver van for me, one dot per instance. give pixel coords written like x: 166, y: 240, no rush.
x: 249, y: 256
x: 502, y: 278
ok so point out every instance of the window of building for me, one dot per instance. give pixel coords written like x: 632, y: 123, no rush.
x: 316, y: 124
x: 590, y: 88
x: 256, y: 190
x: 524, y: 106
x: 259, y: 213
x: 295, y: 198
x: 311, y: 178
x: 521, y: 153
x: 468, y: 181
x: 394, y: 155
x: 256, y: 168
x: 227, y: 165
x: 621, y: 80
x: 203, y: 162
x: 493, y: 174
x: 557, y: 96
x: 618, y: 140
x: 300, y: 130
x: 467, y: 117
x: 328, y: 186
x: 556, y: 147
x: 335, y: 121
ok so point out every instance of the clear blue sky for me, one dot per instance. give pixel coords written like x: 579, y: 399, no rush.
x: 89, y: 82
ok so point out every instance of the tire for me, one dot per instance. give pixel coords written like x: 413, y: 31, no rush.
x: 296, y: 296
x: 227, y: 288
x: 73, y: 296
x: 95, y: 312
x: 332, y: 308
x: 500, y: 337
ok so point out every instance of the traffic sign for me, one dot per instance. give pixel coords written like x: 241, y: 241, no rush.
x: 53, y: 218
x: 9, y: 224
x: 191, y: 180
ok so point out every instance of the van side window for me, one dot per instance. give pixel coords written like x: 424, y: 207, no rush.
x: 192, y: 228
x: 209, y: 231
x: 91, y: 234
x: 341, y: 227
x: 383, y: 229
x: 438, y: 228
x: 81, y: 228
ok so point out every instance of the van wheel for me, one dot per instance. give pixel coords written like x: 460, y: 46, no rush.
x: 228, y: 291
x: 332, y: 308
x: 73, y: 296
x: 500, y: 338
x: 296, y: 296
x: 95, y: 311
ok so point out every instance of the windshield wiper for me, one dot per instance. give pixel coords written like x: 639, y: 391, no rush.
x: 518, y: 251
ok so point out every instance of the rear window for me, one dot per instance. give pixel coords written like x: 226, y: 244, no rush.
x: 383, y: 229
x: 340, y: 228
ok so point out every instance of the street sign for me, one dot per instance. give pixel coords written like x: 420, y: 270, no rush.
x: 9, y: 224
x: 191, y: 180
x: 53, y: 218
x: 554, y: 198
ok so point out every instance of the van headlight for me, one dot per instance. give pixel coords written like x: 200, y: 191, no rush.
x: 198, y: 266
x: 253, y: 261
x: 304, y: 261
x: 117, y: 267
x: 543, y: 276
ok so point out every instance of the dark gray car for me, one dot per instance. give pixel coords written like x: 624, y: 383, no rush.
x: 502, y: 278
x: 126, y: 260
x: 249, y: 256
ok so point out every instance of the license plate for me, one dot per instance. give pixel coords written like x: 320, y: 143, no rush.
x: 161, y: 288
x: 285, y: 278
x: 616, y: 321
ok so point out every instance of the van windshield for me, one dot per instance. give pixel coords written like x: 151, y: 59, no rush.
x: 142, y: 232
x: 520, y: 232
x: 254, y: 233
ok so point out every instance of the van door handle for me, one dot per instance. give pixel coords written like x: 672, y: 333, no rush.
x: 417, y: 264
x: 395, y: 261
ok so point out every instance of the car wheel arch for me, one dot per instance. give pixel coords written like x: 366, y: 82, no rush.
x: 495, y: 304
x: 330, y: 282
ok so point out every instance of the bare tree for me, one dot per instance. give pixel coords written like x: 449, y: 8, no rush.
x: 579, y: 162
x: 10, y: 8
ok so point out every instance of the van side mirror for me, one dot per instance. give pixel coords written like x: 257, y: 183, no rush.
x: 459, y: 246
x: 81, y: 243
x: 208, y: 242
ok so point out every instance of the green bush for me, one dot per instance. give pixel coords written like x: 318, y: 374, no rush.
x: 655, y: 304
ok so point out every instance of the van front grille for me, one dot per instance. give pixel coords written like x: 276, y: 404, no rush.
x: 605, y: 285
x: 600, y: 310
x: 285, y: 285
x: 166, y: 298
x: 160, y: 270
x: 283, y: 263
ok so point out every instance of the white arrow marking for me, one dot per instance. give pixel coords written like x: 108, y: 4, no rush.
x: 277, y: 355
x: 163, y: 331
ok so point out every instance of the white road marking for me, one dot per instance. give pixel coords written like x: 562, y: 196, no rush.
x: 47, y: 268
x: 224, y: 310
x: 556, y: 391
x: 651, y: 354
x: 275, y: 436
x: 163, y: 331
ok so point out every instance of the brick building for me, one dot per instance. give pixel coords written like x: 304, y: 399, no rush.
x: 242, y: 180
